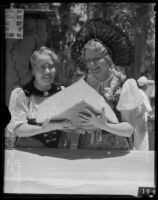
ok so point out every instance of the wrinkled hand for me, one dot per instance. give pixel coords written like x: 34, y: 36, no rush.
x: 57, y: 125
x: 91, y: 117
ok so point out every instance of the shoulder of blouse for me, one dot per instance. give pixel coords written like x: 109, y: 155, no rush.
x: 18, y: 94
x: 130, y: 81
x: 130, y: 96
x: 18, y: 91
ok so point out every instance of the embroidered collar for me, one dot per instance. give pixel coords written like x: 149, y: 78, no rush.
x: 110, y: 89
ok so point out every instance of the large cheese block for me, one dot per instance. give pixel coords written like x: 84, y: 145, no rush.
x: 67, y: 104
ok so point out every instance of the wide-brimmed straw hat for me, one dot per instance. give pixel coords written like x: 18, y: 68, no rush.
x: 109, y: 35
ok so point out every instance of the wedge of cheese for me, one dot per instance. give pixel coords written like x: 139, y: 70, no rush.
x: 67, y: 104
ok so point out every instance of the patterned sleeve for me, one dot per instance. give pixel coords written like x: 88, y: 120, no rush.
x: 18, y: 107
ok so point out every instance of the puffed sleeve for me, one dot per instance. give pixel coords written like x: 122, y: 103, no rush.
x: 134, y: 110
x: 18, y: 107
x: 130, y: 96
x: 146, y: 101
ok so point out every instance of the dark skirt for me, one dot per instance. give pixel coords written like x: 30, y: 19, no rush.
x: 48, y: 140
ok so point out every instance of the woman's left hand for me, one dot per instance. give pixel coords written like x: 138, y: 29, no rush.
x: 91, y: 117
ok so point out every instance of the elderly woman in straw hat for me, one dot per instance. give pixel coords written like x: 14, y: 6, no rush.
x: 24, y: 101
x: 105, y: 50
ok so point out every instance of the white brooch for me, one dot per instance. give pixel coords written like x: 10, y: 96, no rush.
x: 46, y: 93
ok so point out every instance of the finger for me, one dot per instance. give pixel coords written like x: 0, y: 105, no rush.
x: 92, y: 110
x: 57, y: 121
x: 85, y: 113
x: 89, y: 112
x: 80, y: 116
x: 104, y: 114
x: 45, y: 123
x: 68, y: 122
x: 93, y: 113
x: 66, y: 128
x: 83, y: 122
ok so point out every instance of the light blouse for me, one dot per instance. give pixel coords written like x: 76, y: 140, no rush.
x: 23, y: 110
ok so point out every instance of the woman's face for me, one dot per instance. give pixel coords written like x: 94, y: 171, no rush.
x: 97, y: 64
x: 44, y: 70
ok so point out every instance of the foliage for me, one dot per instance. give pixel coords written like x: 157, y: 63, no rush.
x: 135, y: 19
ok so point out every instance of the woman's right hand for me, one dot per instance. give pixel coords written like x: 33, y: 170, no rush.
x: 57, y: 125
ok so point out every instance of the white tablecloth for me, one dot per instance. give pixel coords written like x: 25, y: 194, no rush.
x: 64, y: 171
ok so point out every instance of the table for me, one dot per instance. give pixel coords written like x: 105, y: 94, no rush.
x: 66, y: 171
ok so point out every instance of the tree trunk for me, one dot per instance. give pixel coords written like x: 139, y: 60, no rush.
x: 140, y: 42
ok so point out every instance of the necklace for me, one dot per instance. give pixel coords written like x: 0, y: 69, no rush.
x: 110, y: 89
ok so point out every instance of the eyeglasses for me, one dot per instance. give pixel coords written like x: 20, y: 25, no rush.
x: 42, y: 68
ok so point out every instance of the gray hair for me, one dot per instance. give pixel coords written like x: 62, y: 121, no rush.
x: 44, y: 51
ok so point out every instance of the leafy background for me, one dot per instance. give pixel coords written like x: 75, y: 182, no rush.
x: 136, y: 19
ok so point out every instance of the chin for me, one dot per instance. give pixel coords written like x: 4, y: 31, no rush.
x: 99, y: 77
x: 48, y: 81
x: 96, y: 74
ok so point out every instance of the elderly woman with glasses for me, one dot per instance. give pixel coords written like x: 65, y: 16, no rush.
x: 105, y: 51
x: 23, y: 131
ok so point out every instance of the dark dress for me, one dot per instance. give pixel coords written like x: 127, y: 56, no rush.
x: 101, y: 139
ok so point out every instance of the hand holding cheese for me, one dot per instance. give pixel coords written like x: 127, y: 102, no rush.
x: 67, y: 103
x: 50, y: 125
x: 91, y: 117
